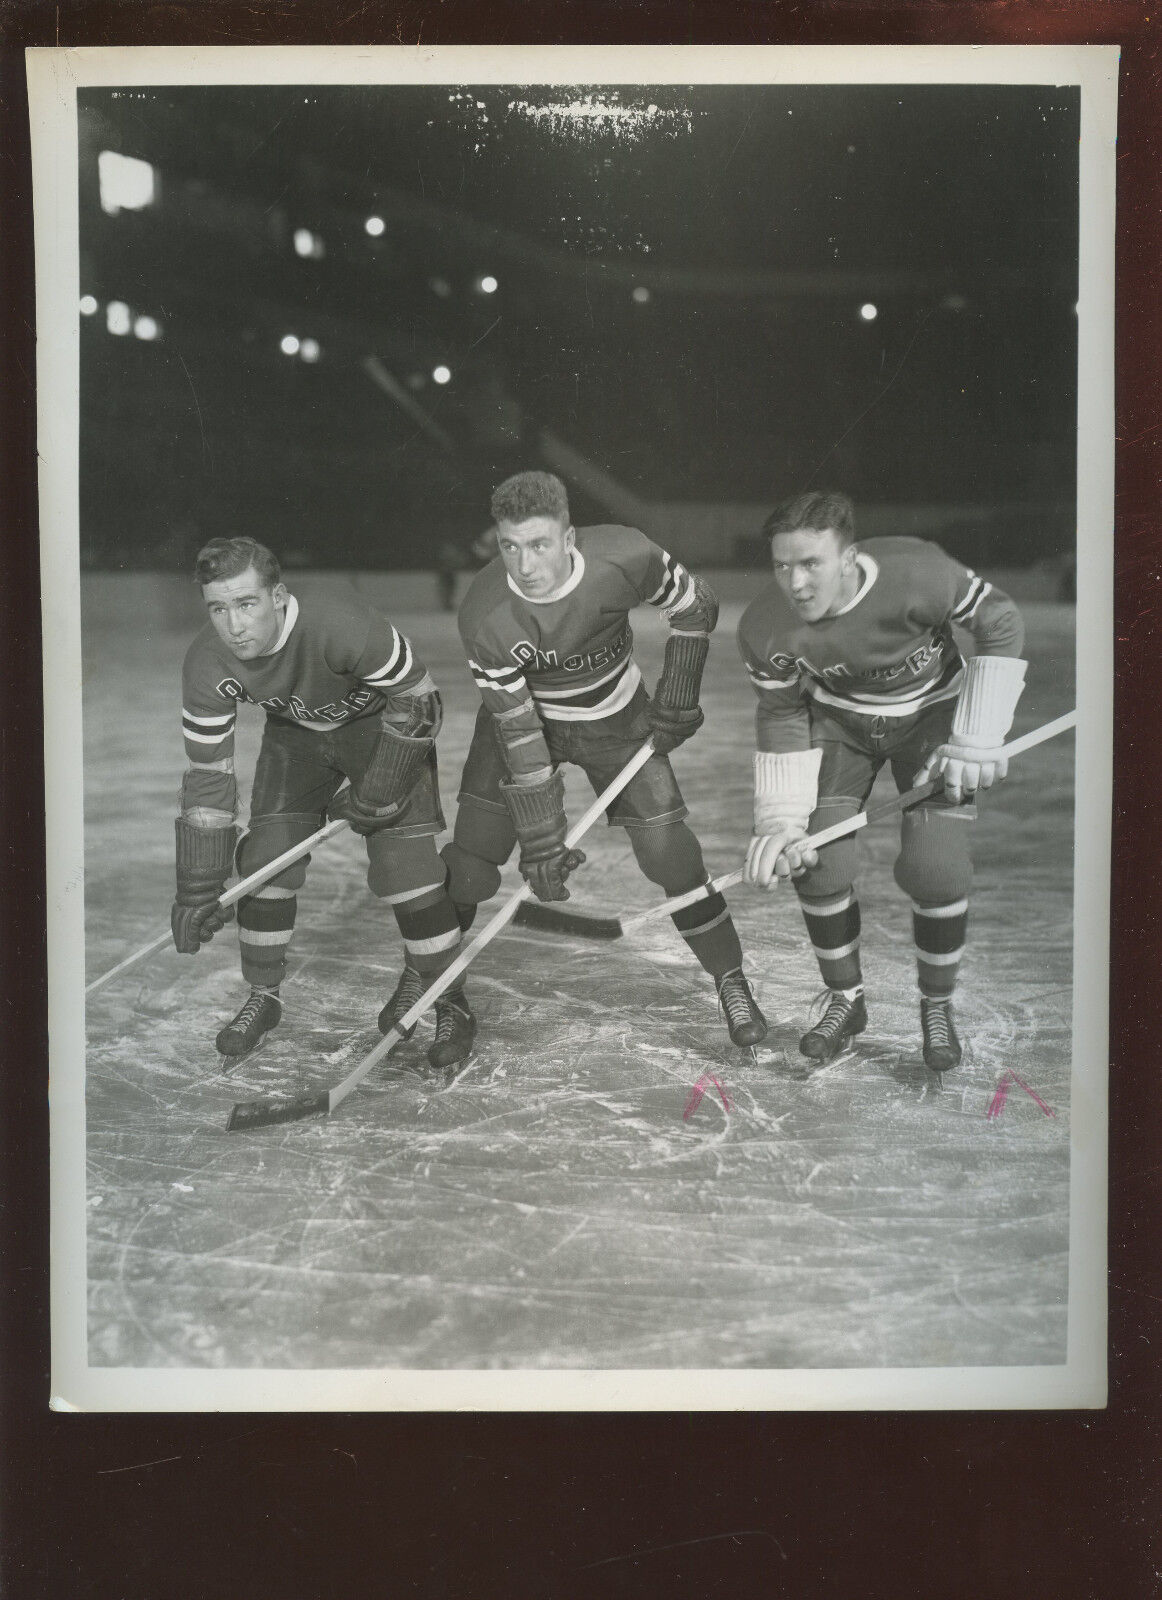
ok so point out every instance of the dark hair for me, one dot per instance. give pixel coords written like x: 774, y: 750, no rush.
x: 530, y: 494
x: 228, y: 558
x: 817, y: 510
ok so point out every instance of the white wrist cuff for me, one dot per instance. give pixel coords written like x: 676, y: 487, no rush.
x: 786, y: 788
x: 988, y: 699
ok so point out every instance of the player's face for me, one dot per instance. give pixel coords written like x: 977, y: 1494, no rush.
x: 247, y: 616
x: 538, y: 553
x: 815, y: 570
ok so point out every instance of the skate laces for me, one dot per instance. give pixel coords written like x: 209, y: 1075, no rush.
x: 448, y: 1013
x: 936, y: 1022
x: 829, y: 1011
x: 251, y: 1011
x: 408, y: 990
x: 735, y: 999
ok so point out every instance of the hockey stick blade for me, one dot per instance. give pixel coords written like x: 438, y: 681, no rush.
x: 549, y: 919
x: 266, y: 1113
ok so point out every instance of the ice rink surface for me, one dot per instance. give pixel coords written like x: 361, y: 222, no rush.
x: 553, y: 1208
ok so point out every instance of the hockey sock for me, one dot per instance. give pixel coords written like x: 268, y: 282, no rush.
x: 833, y: 926
x: 466, y: 915
x: 266, y: 921
x: 430, y: 930
x: 708, y: 929
x: 939, y: 932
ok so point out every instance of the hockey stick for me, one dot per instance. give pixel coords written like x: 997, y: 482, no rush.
x: 264, y: 1113
x: 550, y: 920
x: 241, y: 888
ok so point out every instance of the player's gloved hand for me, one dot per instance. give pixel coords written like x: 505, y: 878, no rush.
x: 973, y: 756
x: 194, y: 926
x: 965, y: 769
x: 786, y: 789
x: 376, y: 799
x: 205, y: 857
x: 776, y: 855
x: 672, y: 726
x: 538, y: 815
x: 362, y: 817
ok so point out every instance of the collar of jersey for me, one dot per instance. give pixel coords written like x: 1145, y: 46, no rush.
x: 288, y: 622
x: 870, y: 568
x: 567, y: 587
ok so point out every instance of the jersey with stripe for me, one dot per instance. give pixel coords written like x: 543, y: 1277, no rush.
x: 571, y: 653
x: 889, y: 653
x: 336, y: 660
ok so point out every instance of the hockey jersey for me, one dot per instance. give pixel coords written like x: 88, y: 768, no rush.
x: 570, y: 653
x: 335, y: 660
x: 890, y: 652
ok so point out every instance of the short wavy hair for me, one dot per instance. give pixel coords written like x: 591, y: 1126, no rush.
x: 819, y: 509
x: 229, y: 558
x: 530, y: 494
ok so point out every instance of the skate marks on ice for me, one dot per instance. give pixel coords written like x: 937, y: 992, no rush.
x: 553, y: 1208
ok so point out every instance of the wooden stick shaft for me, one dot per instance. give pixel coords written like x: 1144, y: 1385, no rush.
x: 241, y: 888
x: 504, y: 916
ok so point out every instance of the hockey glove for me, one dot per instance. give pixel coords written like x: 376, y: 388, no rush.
x: 205, y: 857
x: 972, y: 757
x: 376, y: 800
x: 786, y: 791
x: 674, y: 712
x: 538, y: 815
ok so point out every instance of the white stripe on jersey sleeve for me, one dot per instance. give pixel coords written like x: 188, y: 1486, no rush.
x: 672, y: 592
x: 395, y: 668
x: 208, y: 722
x: 504, y: 680
x: 977, y: 590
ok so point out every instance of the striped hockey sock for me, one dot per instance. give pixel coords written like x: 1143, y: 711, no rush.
x: 429, y: 927
x: 833, y: 926
x: 266, y: 922
x: 708, y: 929
x: 939, y: 932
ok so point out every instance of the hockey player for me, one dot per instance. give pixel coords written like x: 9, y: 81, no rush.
x: 546, y: 629
x: 852, y: 656
x: 345, y: 697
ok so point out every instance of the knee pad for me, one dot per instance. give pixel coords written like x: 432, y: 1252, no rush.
x: 269, y: 836
x: 471, y: 878
x: 838, y: 861
x: 934, y: 865
x: 669, y: 855
x: 395, y: 865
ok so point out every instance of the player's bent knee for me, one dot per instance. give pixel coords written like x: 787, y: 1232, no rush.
x: 934, y: 865
x: 268, y: 838
x: 397, y: 865
x: 669, y: 855
x: 471, y: 879
x: 835, y: 874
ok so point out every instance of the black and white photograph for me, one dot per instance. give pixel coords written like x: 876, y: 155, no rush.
x: 577, y: 594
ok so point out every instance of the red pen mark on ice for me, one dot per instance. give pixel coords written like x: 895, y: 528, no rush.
x: 699, y: 1089
x: 997, y: 1104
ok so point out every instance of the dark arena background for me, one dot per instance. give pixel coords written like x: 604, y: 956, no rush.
x: 332, y: 319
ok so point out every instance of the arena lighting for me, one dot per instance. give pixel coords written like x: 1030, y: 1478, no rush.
x: 441, y: 374
x: 289, y: 345
x: 146, y: 328
x: 309, y: 350
x: 487, y: 284
x: 440, y: 286
x: 126, y: 184
x: 308, y: 243
x: 118, y: 317
x: 868, y: 312
x: 375, y: 226
x: 641, y: 295
x: 88, y: 305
